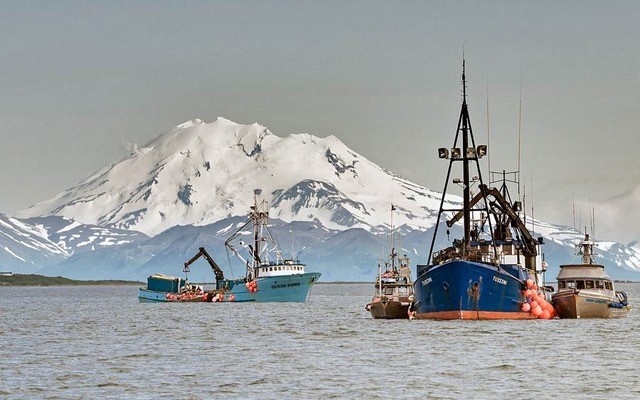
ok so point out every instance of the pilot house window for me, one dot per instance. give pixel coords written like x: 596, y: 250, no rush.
x: 579, y: 284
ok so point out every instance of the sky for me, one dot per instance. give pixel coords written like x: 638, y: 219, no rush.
x: 83, y: 81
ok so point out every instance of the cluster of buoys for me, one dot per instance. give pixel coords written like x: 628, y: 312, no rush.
x: 218, y: 297
x: 252, y: 286
x: 536, y: 304
x: 171, y: 297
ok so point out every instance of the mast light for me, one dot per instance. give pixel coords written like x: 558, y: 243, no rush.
x: 471, y: 152
x: 443, y: 152
x: 482, y: 150
x: 456, y: 153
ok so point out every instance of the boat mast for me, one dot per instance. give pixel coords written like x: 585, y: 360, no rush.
x: 465, y: 163
x: 468, y: 153
x: 393, y: 245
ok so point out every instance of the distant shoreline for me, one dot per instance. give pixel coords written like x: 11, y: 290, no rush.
x: 41, y: 280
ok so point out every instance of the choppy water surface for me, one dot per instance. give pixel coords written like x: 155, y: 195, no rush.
x: 99, y: 342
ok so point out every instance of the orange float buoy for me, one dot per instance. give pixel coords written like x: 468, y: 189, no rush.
x: 526, y: 307
x: 533, y: 304
x: 545, y: 314
x: 528, y: 293
x: 536, y: 311
x: 232, y: 297
x: 529, y: 283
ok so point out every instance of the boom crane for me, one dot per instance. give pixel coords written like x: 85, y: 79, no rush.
x: 499, y: 203
x: 216, y: 269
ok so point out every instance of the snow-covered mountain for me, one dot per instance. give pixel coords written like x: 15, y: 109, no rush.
x: 190, y: 186
x: 75, y: 237
x: 26, y: 248
x: 199, y: 173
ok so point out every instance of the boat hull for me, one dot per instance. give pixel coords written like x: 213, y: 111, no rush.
x: 389, y: 309
x: 461, y: 289
x: 152, y: 296
x: 584, y: 304
x: 287, y: 288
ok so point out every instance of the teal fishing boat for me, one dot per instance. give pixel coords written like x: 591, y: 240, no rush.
x: 269, y: 276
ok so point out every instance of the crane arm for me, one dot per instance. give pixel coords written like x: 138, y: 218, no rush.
x: 203, y: 253
x: 529, y: 242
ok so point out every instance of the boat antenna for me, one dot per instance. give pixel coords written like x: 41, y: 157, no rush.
x: 533, y: 224
x: 519, y: 135
x: 593, y: 221
x: 488, y: 143
x: 573, y: 206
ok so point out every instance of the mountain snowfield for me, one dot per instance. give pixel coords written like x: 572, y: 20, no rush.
x: 192, y: 185
x: 26, y: 247
x: 199, y: 173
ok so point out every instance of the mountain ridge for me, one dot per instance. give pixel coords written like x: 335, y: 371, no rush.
x: 194, y: 182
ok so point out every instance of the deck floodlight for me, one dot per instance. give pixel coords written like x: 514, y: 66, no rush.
x: 455, y: 153
x: 471, y: 152
x: 443, y: 152
x: 482, y: 150
x: 517, y: 206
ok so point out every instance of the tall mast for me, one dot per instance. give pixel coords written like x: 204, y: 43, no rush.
x: 466, y: 154
x: 465, y: 162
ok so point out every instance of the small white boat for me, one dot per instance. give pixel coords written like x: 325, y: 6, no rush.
x: 586, y: 291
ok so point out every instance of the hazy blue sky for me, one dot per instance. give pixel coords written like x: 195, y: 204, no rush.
x: 80, y: 80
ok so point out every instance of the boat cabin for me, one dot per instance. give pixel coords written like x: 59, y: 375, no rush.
x: 397, y: 290
x: 288, y: 267
x: 585, y: 284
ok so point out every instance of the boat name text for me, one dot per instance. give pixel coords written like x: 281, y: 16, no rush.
x: 285, y: 285
x: 499, y: 280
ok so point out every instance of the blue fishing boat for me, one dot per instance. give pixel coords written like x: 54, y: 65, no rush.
x: 483, y: 274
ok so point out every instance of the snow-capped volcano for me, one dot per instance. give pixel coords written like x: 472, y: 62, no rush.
x: 188, y: 187
x: 199, y: 173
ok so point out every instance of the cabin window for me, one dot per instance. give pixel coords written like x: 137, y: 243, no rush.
x: 388, y: 291
x: 403, y: 290
x: 608, y: 285
x: 579, y: 284
x: 562, y: 285
x: 599, y: 285
x: 571, y: 285
x: 590, y: 284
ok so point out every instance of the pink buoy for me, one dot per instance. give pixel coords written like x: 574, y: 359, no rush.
x: 536, y: 311
x: 526, y: 307
x: 528, y: 293
x: 232, y: 297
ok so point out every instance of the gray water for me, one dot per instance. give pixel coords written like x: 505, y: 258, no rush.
x: 99, y: 342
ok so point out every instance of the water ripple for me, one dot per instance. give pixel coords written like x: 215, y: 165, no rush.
x: 73, y: 347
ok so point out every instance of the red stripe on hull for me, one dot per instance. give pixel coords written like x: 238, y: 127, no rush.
x: 467, y: 314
